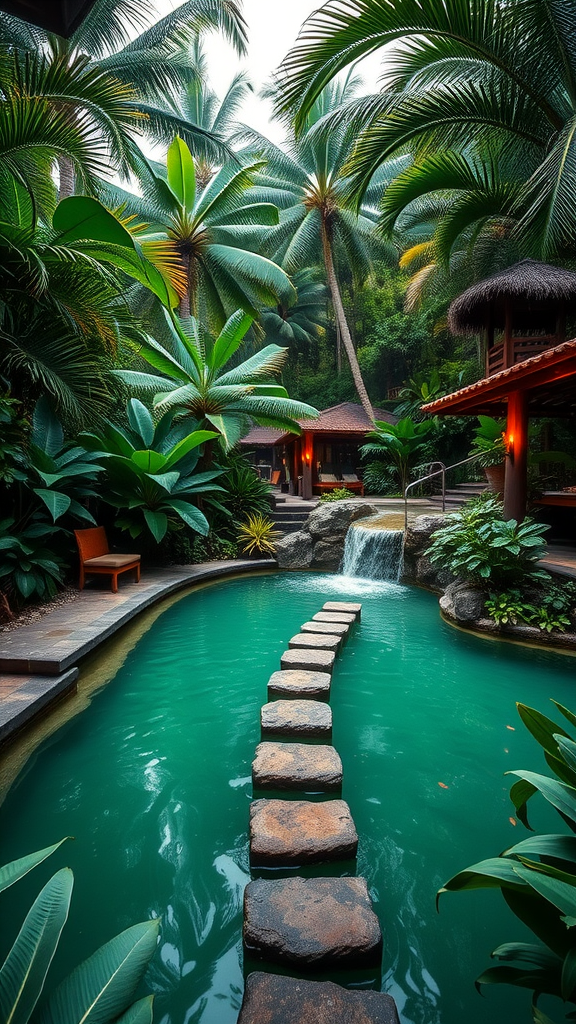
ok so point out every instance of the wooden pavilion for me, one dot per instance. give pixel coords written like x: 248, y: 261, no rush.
x: 530, y: 367
x: 323, y: 457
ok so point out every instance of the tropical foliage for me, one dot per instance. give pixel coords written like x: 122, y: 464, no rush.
x: 257, y: 535
x: 399, y: 444
x: 198, y: 387
x: 477, y: 544
x: 537, y: 876
x: 103, y: 988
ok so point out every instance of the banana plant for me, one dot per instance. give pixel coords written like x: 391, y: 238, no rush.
x: 197, y: 386
x: 151, y: 475
x: 537, y: 877
x: 98, y: 991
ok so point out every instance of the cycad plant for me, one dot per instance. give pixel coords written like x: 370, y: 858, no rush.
x: 102, y: 989
x: 206, y: 227
x: 107, y: 88
x: 537, y: 876
x: 471, y: 78
x: 317, y: 226
x: 197, y: 387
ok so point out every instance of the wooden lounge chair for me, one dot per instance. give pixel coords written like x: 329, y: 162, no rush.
x: 352, y: 482
x: 95, y: 557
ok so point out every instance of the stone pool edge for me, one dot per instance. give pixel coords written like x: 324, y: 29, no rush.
x: 38, y: 663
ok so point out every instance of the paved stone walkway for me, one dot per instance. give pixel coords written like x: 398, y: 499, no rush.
x: 38, y: 662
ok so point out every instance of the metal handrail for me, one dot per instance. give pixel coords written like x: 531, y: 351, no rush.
x: 438, y: 472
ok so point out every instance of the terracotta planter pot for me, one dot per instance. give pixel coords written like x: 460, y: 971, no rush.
x: 495, y: 477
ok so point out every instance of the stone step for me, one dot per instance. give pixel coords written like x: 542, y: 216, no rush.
x: 309, y: 718
x: 274, y: 999
x: 314, y: 923
x: 287, y: 833
x: 343, y: 617
x: 308, y: 660
x: 315, y: 642
x: 294, y: 684
x: 350, y: 607
x: 331, y: 628
x: 314, y: 769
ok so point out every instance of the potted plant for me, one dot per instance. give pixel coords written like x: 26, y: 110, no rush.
x: 490, y: 447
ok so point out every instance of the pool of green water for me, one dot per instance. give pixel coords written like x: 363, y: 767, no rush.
x: 153, y: 781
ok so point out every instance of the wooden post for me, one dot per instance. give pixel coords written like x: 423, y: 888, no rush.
x: 508, y: 337
x: 516, y: 481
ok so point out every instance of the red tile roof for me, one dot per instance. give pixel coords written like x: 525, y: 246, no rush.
x: 346, y: 418
x: 553, y: 363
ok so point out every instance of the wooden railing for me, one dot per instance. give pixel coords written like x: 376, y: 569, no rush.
x: 522, y: 348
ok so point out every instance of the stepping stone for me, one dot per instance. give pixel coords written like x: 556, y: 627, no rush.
x: 273, y: 999
x: 295, y: 683
x: 331, y: 628
x: 334, y: 617
x: 343, y: 606
x: 308, y: 660
x: 293, y: 832
x: 313, y: 923
x: 315, y: 769
x: 297, y: 718
x: 315, y: 642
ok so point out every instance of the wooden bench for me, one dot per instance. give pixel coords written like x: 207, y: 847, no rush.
x: 95, y: 557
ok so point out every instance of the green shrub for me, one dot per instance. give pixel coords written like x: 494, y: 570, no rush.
x: 102, y: 989
x: 244, y: 492
x: 380, y: 478
x: 489, y: 444
x: 257, y: 535
x: 476, y: 544
x: 29, y: 567
x: 213, y: 549
x: 537, y: 876
x: 338, y: 494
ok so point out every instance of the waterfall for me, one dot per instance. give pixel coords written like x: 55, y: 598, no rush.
x: 373, y: 554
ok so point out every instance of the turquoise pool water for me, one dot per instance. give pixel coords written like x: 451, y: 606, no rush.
x: 153, y: 780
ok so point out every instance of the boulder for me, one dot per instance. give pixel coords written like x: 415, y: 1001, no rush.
x: 417, y: 566
x: 328, y: 554
x: 274, y: 999
x: 330, y: 519
x: 295, y: 550
x: 463, y: 602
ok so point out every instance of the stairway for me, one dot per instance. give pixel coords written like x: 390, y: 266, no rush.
x: 456, y: 496
x: 290, y: 513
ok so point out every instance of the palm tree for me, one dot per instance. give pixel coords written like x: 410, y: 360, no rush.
x: 298, y: 323
x: 196, y: 385
x: 316, y: 227
x: 207, y: 228
x: 122, y: 83
x: 469, y: 75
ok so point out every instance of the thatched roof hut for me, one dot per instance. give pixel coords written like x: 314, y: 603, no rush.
x: 534, y: 291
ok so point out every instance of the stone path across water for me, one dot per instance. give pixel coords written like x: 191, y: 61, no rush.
x: 307, y: 924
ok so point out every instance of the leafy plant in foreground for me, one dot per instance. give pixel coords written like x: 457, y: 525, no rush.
x: 151, y: 473
x: 244, y: 492
x: 537, y: 877
x: 489, y: 444
x: 100, y: 990
x: 257, y: 536
x: 476, y: 544
x: 29, y: 568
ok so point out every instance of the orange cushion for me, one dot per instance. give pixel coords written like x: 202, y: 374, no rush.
x: 110, y: 561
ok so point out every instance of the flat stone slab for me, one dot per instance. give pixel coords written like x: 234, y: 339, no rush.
x: 273, y: 999
x: 297, y: 718
x: 294, y: 832
x: 334, y: 617
x: 312, y: 923
x: 295, y: 683
x: 316, y: 768
x: 315, y: 642
x: 308, y: 660
x: 340, y: 629
x: 343, y: 606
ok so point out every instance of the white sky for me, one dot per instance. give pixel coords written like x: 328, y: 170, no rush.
x: 273, y: 26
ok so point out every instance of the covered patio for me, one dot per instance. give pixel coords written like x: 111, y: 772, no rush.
x: 522, y: 313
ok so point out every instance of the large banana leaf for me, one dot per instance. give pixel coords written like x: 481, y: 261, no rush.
x: 102, y: 987
x: 16, y: 869
x: 24, y: 971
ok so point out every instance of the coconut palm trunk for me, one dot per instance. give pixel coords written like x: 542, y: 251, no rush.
x: 67, y: 177
x: 343, y: 323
